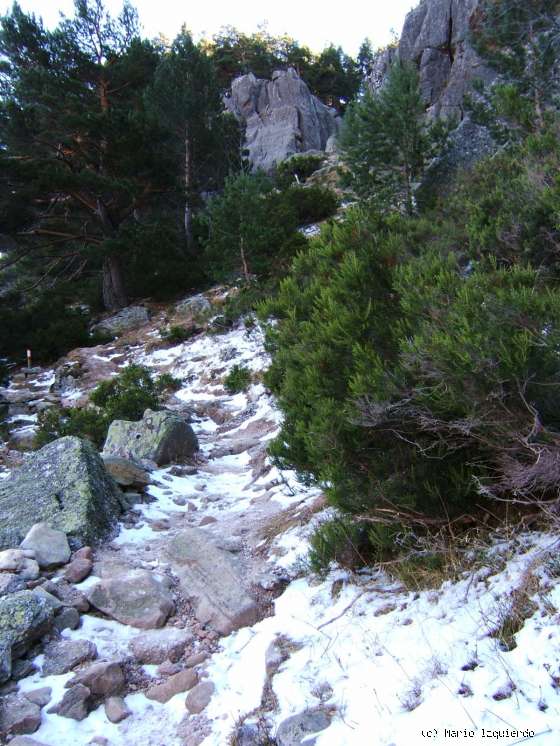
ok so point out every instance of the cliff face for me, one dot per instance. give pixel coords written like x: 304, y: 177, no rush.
x: 281, y: 117
x: 435, y: 37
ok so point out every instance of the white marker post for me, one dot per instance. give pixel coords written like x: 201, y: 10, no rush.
x: 29, y: 358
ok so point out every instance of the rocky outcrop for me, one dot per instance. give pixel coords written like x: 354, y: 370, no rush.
x: 281, y: 117
x: 435, y: 37
x: 64, y: 485
x: 162, y: 437
x: 129, y: 318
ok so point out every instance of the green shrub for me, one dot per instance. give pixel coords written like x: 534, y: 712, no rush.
x: 409, y: 385
x: 177, y: 334
x: 338, y: 540
x: 87, y: 422
x: 312, y: 203
x: 124, y: 397
x: 301, y: 166
x: 238, y: 379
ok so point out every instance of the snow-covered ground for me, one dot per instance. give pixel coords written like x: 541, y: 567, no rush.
x: 389, y: 666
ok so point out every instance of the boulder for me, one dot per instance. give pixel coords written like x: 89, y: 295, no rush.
x: 159, y: 645
x: 126, y: 473
x: 129, y: 318
x: 296, y: 729
x: 50, y: 546
x: 162, y: 437
x: 116, y: 709
x: 19, y: 562
x: 78, y: 570
x: 25, y: 741
x: 281, y: 117
x: 213, y: 580
x: 76, y: 703
x: 24, y: 617
x: 63, y: 656
x: 40, y: 697
x: 196, y: 308
x: 175, y: 684
x: 11, y: 583
x: 65, y: 485
x: 199, y: 697
x: 18, y: 715
x: 137, y: 598
x: 102, y: 679
x: 67, y: 618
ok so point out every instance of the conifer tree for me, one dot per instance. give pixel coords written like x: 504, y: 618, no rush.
x: 77, y: 150
x: 386, y: 143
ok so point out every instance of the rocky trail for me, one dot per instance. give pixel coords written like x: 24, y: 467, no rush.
x: 197, y: 623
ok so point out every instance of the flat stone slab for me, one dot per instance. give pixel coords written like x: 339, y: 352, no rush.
x: 136, y: 598
x: 211, y: 579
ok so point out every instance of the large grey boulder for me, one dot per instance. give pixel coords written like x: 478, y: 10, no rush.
x: 138, y: 598
x: 212, y: 579
x: 18, y: 715
x: 65, y: 485
x: 129, y: 318
x: 24, y: 617
x: 163, y: 437
x: 281, y: 117
x: 297, y: 729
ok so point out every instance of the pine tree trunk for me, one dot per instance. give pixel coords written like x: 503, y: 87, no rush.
x: 188, y: 189
x: 114, y: 294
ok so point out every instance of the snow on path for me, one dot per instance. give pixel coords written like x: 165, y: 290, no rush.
x: 393, y: 667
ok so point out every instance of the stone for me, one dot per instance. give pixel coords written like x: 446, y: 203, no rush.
x: 136, y: 598
x: 196, y: 659
x: 293, y: 730
x: 159, y: 645
x: 247, y: 734
x: 168, y: 669
x: 84, y: 553
x: 162, y: 437
x: 50, y: 546
x: 65, y: 485
x: 40, y: 697
x: 208, y: 520
x: 196, y: 308
x: 199, y: 697
x: 78, y: 570
x: 68, y: 594
x: 281, y: 117
x: 63, y: 656
x: 103, y: 679
x: 16, y: 561
x: 18, y: 715
x: 55, y: 603
x: 212, y: 579
x: 22, y: 668
x: 76, y: 703
x: 116, y: 709
x: 67, y: 618
x: 132, y: 317
x: 179, y: 682
x: 10, y: 583
x: 126, y: 473
x: 24, y: 618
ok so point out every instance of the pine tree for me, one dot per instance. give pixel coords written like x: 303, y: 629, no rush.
x: 203, y: 140
x: 520, y: 39
x: 386, y: 143
x: 76, y: 146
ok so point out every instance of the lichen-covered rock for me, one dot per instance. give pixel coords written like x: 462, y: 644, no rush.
x: 24, y: 617
x: 162, y: 437
x: 129, y: 318
x: 294, y: 730
x: 196, y: 308
x: 281, y: 117
x: 50, y: 546
x: 65, y: 485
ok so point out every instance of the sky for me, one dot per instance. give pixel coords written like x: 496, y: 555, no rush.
x: 343, y: 22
